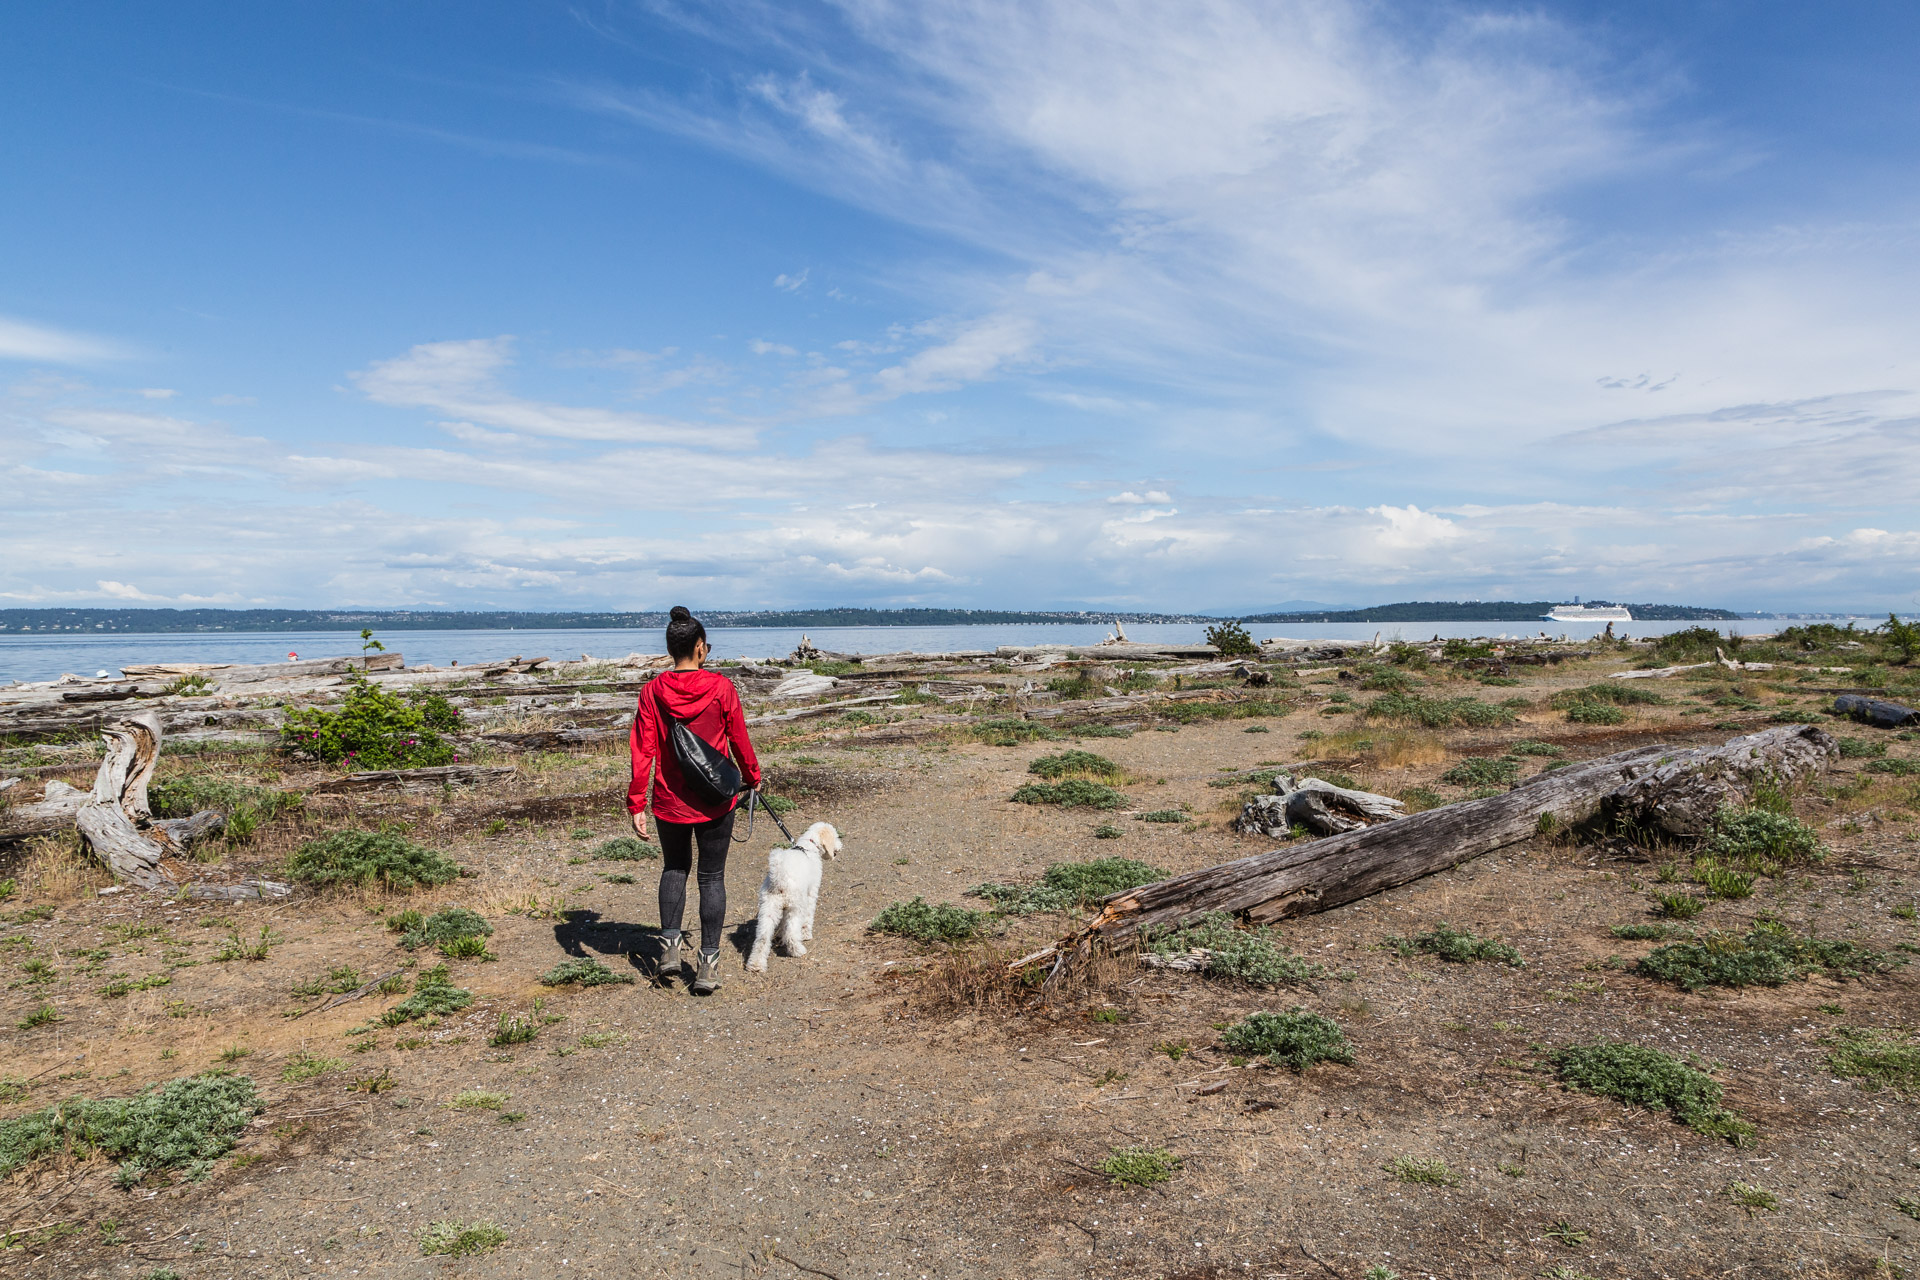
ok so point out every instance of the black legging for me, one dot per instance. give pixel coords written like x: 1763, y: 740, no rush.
x: 676, y: 850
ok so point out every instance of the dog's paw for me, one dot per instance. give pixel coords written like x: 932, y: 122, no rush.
x: 756, y: 964
x: 795, y: 949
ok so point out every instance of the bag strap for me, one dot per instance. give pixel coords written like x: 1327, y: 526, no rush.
x: 754, y: 797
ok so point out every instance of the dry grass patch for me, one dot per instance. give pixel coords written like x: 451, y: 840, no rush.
x: 1384, y: 748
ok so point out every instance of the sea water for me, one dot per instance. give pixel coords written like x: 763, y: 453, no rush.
x: 44, y: 656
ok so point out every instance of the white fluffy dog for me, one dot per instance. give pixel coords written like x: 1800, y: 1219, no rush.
x: 790, y: 892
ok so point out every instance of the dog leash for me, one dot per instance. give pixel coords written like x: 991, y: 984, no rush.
x: 754, y: 797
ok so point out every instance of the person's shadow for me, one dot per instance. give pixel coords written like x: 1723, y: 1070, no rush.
x: 586, y: 930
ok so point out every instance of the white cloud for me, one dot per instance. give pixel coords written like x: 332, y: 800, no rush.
x: 26, y: 341
x: 1411, y: 529
x: 791, y: 284
x: 121, y: 591
x: 459, y: 378
x: 1135, y: 499
x: 158, y: 393
x: 761, y: 347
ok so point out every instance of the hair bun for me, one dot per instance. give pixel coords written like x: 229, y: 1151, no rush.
x: 679, y: 614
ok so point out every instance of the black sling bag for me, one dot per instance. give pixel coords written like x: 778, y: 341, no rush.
x: 706, y: 768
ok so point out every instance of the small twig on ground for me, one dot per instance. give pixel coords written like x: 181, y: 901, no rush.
x: 350, y: 996
x: 1323, y: 1266
x: 812, y: 1271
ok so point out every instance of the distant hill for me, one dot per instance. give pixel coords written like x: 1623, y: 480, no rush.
x: 166, y: 621
x: 1489, y: 611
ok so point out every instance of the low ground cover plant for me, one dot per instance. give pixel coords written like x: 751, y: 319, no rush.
x: 1296, y: 1039
x: 1768, y: 956
x: 368, y: 858
x: 1762, y: 841
x: 1461, y: 946
x: 434, y: 996
x: 1162, y: 815
x: 626, y: 849
x: 373, y: 729
x: 1428, y: 1173
x: 1140, y: 1166
x: 1253, y: 956
x: 444, y: 929
x: 1483, y: 771
x: 1007, y: 731
x: 1438, y: 713
x: 189, y: 1122
x: 1073, y: 793
x: 923, y: 921
x: 1066, y: 885
x: 457, y: 1239
x: 1878, y: 1057
x: 583, y: 973
x: 1075, y: 764
x: 1649, y: 1078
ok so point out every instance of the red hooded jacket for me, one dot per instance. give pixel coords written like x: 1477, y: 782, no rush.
x: 710, y: 706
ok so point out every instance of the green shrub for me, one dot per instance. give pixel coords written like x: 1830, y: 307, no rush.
x: 1232, y: 640
x: 1296, y: 1039
x: 1420, y: 799
x: 1756, y: 839
x: 1595, y: 713
x: 1882, y: 1058
x: 1861, y: 748
x: 1648, y: 1078
x: 626, y: 849
x: 1066, y: 885
x: 1640, y: 932
x: 1253, y: 956
x: 442, y: 927
x: 1107, y: 831
x: 434, y: 996
x: 584, y: 973
x: 1461, y: 946
x: 1899, y: 768
x: 1694, y: 642
x: 1677, y: 904
x: 1384, y: 679
x: 187, y: 1122
x: 1163, y: 815
x: 1482, y: 771
x: 368, y: 858
x: 1531, y: 748
x: 929, y: 922
x: 373, y: 729
x: 1767, y: 956
x: 1075, y: 687
x: 1140, y: 1166
x: 1073, y: 793
x: 1619, y: 693
x: 246, y: 808
x: 1100, y: 731
x: 458, y: 1240
x: 1083, y: 764
x: 1438, y: 713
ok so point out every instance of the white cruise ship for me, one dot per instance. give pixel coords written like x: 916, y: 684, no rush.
x: 1577, y: 612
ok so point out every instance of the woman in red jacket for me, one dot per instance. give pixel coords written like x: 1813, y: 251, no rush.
x: 708, y: 704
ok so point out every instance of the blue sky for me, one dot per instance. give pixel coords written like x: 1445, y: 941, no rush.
x: 1203, y: 306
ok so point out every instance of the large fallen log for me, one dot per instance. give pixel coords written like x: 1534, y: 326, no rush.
x: 1657, y: 788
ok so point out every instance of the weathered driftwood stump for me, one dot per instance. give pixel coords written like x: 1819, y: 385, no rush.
x: 1317, y: 805
x: 115, y: 822
x: 1671, y: 790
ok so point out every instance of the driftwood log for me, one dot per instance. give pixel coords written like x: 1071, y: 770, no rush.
x: 1656, y: 788
x: 114, y: 820
x: 431, y: 778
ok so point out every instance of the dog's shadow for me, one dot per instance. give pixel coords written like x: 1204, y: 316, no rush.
x: 587, y: 930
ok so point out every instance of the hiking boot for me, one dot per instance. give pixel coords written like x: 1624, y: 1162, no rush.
x: 669, y: 959
x: 706, y: 979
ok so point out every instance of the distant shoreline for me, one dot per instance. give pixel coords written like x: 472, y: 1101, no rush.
x: 91, y: 621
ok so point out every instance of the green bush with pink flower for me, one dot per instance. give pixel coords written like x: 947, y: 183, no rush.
x: 374, y: 729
